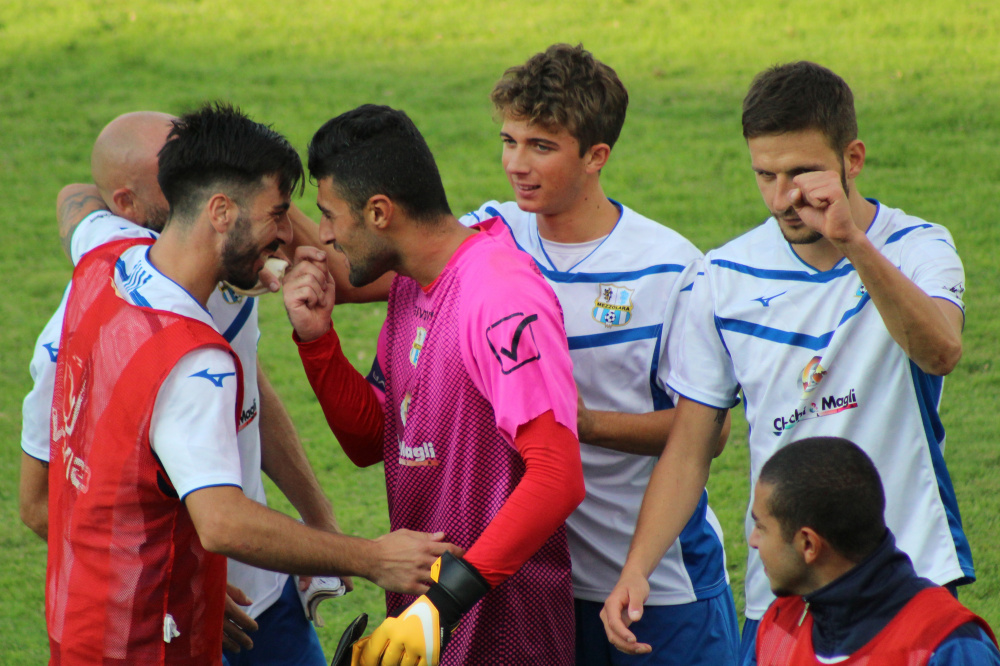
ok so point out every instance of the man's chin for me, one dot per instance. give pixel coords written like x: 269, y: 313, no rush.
x: 803, y: 236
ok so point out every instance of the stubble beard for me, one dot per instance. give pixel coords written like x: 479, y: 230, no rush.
x: 239, y: 255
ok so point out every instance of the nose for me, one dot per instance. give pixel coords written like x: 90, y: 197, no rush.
x: 514, y: 161
x: 783, y: 185
x: 326, y: 235
x: 752, y: 541
x: 285, y: 229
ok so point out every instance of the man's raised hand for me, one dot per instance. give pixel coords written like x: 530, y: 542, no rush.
x: 309, y: 293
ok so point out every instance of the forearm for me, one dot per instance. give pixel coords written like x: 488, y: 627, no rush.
x: 230, y: 524
x: 284, y: 460
x: 928, y: 329
x: 676, y: 484
x: 33, y: 495
x: 74, y: 203
x: 551, y: 488
x: 349, y: 403
x: 640, y: 434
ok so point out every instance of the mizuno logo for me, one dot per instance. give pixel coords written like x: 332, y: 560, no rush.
x: 215, y: 379
x: 53, y: 351
x: 766, y: 300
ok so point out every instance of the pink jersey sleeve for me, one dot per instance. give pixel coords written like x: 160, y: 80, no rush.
x: 514, y: 342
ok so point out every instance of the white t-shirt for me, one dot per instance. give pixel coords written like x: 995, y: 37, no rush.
x: 622, y: 303
x: 236, y: 318
x: 814, y: 358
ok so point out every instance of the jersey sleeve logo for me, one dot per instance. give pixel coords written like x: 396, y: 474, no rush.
x: 613, y: 306
x: 214, y: 378
x: 512, y: 341
x: 376, y: 377
x: 53, y: 351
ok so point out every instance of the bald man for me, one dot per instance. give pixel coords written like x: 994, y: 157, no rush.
x: 123, y: 165
x: 125, y: 201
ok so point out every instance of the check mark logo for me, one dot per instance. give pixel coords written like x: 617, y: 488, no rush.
x: 766, y: 300
x: 516, y: 340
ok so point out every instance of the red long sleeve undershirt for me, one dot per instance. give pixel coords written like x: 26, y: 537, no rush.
x: 551, y: 488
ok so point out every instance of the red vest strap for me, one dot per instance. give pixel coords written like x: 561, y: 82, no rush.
x: 909, y: 639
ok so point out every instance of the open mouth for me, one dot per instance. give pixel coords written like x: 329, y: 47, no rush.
x: 275, y: 264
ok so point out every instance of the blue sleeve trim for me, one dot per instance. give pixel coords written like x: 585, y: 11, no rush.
x: 213, y: 485
x: 902, y: 232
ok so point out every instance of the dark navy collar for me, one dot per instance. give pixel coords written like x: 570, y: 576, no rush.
x: 851, y: 610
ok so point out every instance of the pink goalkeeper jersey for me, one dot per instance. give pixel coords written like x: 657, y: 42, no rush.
x: 462, y: 365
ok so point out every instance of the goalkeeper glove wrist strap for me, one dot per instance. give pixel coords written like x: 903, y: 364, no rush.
x: 457, y: 587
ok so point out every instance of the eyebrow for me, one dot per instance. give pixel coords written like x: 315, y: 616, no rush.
x: 794, y: 171
x: 281, y: 208
x: 531, y: 139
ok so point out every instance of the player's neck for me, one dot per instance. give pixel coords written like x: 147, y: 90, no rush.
x: 192, y: 265
x: 425, y: 250
x: 824, y: 255
x: 591, y: 216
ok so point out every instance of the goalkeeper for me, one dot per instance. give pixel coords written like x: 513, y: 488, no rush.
x: 470, y: 402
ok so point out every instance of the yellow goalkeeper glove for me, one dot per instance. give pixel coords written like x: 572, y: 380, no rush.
x: 420, y: 633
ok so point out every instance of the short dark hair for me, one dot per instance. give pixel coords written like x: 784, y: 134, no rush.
x: 800, y: 96
x: 832, y: 486
x: 565, y: 87
x: 378, y: 150
x: 218, y: 146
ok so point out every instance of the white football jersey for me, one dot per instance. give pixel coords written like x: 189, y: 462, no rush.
x: 814, y: 358
x: 622, y: 305
x: 235, y: 317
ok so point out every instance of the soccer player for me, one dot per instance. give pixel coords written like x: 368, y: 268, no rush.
x: 623, y: 282
x: 838, y: 316
x: 846, y: 593
x: 124, y: 169
x: 145, y: 489
x: 470, y: 405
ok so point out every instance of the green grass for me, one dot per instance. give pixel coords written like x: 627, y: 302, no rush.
x: 925, y: 76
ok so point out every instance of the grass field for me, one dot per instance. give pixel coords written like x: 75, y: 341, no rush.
x: 926, y: 77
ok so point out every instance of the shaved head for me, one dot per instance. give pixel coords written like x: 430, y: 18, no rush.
x: 124, y: 166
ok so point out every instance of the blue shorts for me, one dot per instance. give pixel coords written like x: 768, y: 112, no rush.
x: 702, y: 632
x: 284, y: 636
x: 748, y: 643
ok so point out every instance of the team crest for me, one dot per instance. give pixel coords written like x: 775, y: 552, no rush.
x: 613, y: 306
x: 418, y: 344
x: 812, y: 375
x: 862, y: 290
x: 404, y: 409
x: 228, y: 295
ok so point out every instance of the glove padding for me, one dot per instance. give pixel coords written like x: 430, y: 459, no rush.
x: 345, y: 654
x: 420, y: 633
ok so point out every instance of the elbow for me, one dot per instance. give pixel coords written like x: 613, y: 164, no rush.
x: 37, y: 520
x: 217, y: 536
x: 576, y: 490
x: 945, y: 360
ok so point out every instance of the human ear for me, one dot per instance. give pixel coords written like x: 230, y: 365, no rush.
x: 379, y: 211
x: 123, y: 204
x: 222, y: 212
x: 854, y: 158
x: 809, y: 544
x: 597, y: 156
